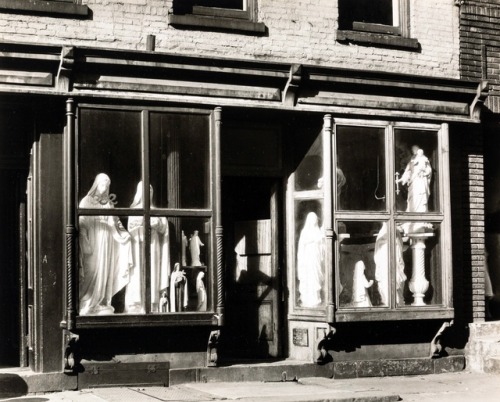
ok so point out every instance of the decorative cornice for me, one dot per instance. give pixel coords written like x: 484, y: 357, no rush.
x: 83, y: 72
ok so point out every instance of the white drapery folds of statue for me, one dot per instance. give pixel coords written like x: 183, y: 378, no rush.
x: 160, y: 258
x: 105, y: 252
x: 381, y: 258
x: 310, y: 262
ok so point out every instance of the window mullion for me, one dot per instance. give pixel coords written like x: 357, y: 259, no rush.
x: 147, y: 206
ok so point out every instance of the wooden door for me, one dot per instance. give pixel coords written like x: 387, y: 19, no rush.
x: 252, y: 267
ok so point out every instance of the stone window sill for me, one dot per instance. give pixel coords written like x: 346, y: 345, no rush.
x: 56, y: 8
x: 378, y: 39
x: 212, y: 22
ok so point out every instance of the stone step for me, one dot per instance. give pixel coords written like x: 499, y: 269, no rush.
x: 485, y: 329
x: 492, y: 365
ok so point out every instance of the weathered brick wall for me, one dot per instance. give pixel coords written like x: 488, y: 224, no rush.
x: 480, y: 46
x: 299, y: 31
x: 467, y: 198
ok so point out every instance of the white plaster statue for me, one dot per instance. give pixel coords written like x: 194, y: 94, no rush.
x: 194, y: 248
x: 201, y: 292
x: 360, y: 284
x: 310, y: 261
x: 184, y: 245
x: 105, y: 252
x: 178, y: 289
x: 417, y: 176
x: 164, y: 303
x: 160, y: 258
x: 381, y: 258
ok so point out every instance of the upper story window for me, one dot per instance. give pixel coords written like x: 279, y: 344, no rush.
x: 371, y: 15
x: 379, y: 22
x: 236, y: 15
x: 63, y: 8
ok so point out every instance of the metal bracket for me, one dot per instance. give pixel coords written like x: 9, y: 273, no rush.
x: 213, y: 343
x: 437, y: 349
x: 292, y: 85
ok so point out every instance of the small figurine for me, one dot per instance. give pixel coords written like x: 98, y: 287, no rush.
x: 201, y: 291
x: 194, y: 247
x: 164, y: 303
x: 178, y: 289
x: 360, y: 297
x: 184, y: 245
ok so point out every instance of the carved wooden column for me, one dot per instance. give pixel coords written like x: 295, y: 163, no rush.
x: 217, y: 218
x: 69, y: 212
x: 327, y: 216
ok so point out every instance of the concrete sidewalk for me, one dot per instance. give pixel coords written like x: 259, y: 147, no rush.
x: 456, y: 387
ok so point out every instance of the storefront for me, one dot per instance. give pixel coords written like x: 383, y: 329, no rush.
x: 253, y: 210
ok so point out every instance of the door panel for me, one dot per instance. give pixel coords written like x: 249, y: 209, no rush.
x: 253, y: 295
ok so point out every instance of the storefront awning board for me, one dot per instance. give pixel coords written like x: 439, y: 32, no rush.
x: 83, y: 72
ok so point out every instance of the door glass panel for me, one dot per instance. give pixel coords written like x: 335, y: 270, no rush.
x: 416, y: 159
x: 310, y: 254
x: 109, y: 143
x: 360, y: 171
x: 179, y: 148
x: 422, y: 259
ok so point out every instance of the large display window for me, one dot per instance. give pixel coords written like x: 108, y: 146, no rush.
x: 369, y: 223
x: 392, y: 219
x: 145, y: 220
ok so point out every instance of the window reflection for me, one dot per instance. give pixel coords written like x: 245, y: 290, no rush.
x: 309, y: 173
x: 179, y: 161
x: 360, y: 174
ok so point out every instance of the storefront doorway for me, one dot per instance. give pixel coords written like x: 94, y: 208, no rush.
x: 14, y: 159
x: 253, y: 279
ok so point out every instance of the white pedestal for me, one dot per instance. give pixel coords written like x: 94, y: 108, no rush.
x: 418, y: 283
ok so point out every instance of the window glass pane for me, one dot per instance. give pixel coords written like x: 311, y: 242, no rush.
x: 109, y: 143
x: 190, y: 264
x: 310, y: 254
x: 364, y: 264
x: 179, y: 160
x: 371, y: 11
x: 416, y: 158
x: 422, y: 257
x: 360, y: 173
x: 309, y: 172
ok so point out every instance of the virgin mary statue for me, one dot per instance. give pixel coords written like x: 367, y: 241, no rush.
x: 105, y: 252
x: 310, y: 260
x: 160, y: 258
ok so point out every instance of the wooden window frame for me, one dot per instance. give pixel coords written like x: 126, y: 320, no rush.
x: 205, y: 17
x: 397, y: 36
x: 211, y: 212
x: 443, y: 310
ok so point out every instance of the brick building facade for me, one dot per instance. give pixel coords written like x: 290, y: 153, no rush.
x: 479, y: 60
x: 286, y: 220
